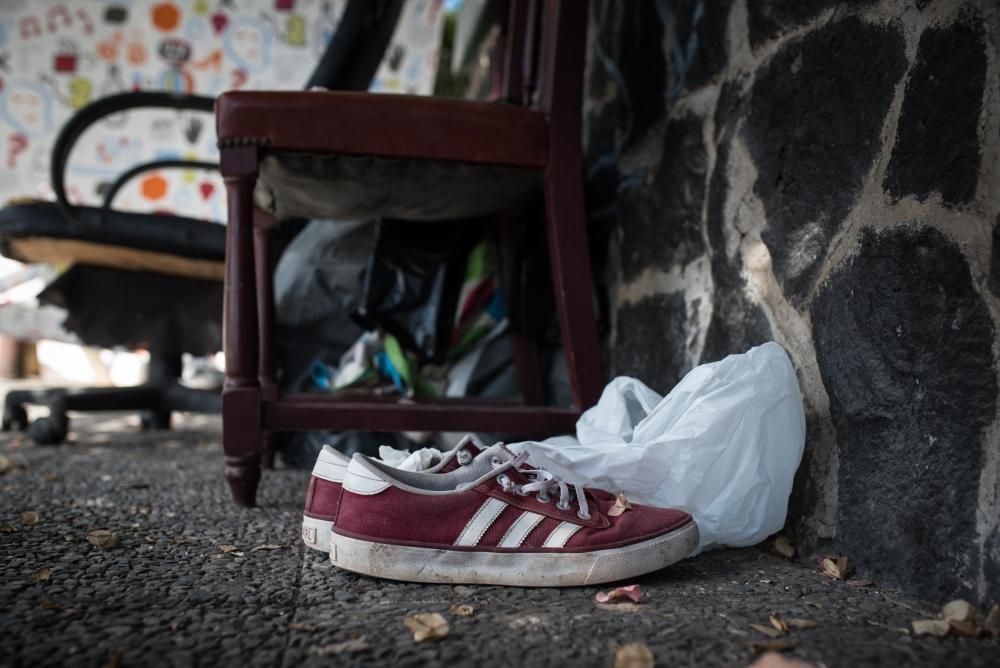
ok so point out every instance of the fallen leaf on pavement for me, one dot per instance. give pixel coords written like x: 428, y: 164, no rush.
x: 797, y: 623
x: 992, y: 623
x: 41, y: 574
x: 833, y: 567
x: 783, y: 547
x: 775, y: 660
x: 633, y: 655
x: 959, y: 611
x: 29, y: 517
x: 769, y: 631
x: 461, y: 610
x: 228, y: 548
x: 964, y: 629
x: 266, y: 547
x: 626, y: 593
x: 621, y: 505
x: 778, y: 623
x: 7, y: 528
x: 346, y: 647
x: 426, y: 625
x: 771, y: 646
x: 102, y: 538
x: 8, y: 465
x: 931, y: 627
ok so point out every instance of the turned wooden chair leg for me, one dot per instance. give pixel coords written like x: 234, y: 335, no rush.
x: 571, y: 278
x: 264, y: 261
x: 241, y: 421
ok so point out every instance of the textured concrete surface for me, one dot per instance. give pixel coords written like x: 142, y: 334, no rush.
x: 171, y: 595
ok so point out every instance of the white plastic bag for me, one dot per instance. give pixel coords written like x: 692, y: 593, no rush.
x: 723, y: 445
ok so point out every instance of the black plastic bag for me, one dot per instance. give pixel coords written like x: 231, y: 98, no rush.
x: 413, y: 281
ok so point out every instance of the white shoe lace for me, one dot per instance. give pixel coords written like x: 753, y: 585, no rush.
x: 543, y: 483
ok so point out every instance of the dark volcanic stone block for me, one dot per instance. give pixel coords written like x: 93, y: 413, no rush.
x: 699, y: 49
x: 995, y: 259
x: 769, y: 18
x: 937, y: 146
x: 661, y: 221
x: 737, y: 323
x: 816, y: 114
x: 904, y: 345
x: 649, y: 343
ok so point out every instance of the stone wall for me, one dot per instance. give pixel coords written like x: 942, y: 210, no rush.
x: 823, y: 173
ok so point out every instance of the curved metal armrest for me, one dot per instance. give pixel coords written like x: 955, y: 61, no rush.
x: 101, y: 109
x: 122, y: 180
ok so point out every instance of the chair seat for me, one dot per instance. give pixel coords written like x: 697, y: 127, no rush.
x: 37, y: 231
x: 345, y: 187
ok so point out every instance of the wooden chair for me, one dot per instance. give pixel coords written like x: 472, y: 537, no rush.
x: 309, y: 154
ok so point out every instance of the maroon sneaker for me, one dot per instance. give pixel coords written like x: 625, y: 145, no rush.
x: 497, y: 521
x: 323, y: 493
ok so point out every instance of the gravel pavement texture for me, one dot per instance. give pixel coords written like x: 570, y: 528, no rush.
x: 194, y: 580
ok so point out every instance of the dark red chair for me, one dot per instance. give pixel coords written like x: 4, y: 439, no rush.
x: 352, y: 155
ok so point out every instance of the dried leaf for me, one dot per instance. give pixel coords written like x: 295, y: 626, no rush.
x: 771, y: 646
x: 931, y: 627
x: 626, y: 593
x: 346, y: 647
x: 7, y: 528
x: 633, y: 655
x: 992, y: 623
x: 833, y: 567
x: 959, y: 611
x: 269, y: 546
x: 769, y: 631
x: 621, y: 505
x: 778, y: 623
x: 41, y: 574
x: 461, y: 610
x: 228, y: 548
x: 102, y: 538
x: 798, y: 623
x: 964, y: 629
x: 29, y: 517
x: 775, y: 660
x: 426, y: 625
x: 860, y: 583
x: 8, y: 465
x: 783, y: 547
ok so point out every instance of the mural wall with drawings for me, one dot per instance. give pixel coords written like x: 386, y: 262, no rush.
x: 58, y: 55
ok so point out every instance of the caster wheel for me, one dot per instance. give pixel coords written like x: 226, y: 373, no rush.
x: 156, y: 421
x: 14, y: 417
x: 48, y: 431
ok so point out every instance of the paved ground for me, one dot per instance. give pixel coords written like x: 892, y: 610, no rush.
x: 170, y: 595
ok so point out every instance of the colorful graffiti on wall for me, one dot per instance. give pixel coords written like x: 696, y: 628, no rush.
x: 58, y: 55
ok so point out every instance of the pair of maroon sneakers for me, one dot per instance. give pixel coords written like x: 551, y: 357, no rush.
x: 484, y: 516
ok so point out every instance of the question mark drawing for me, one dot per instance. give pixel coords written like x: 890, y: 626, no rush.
x: 18, y: 144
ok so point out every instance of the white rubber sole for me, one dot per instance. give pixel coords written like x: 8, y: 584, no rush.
x: 316, y: 533
x: 522, y: 569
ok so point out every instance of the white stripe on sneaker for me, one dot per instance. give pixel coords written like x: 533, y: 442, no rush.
x: 480, y: 522
x: 561, y: 534
x: 520, y: 529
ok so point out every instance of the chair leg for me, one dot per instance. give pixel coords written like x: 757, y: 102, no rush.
x: 241, y: 422
x: 571, y: 277
x: 264, y: 260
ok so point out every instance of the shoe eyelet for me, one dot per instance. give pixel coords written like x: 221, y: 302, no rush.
x: 582, y: 516
x: 519, y: 491
x: 505, y: 483
x: 560, y: 506
x: 495, y: 461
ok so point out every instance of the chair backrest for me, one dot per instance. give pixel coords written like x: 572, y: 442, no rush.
x: 544, y: 56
